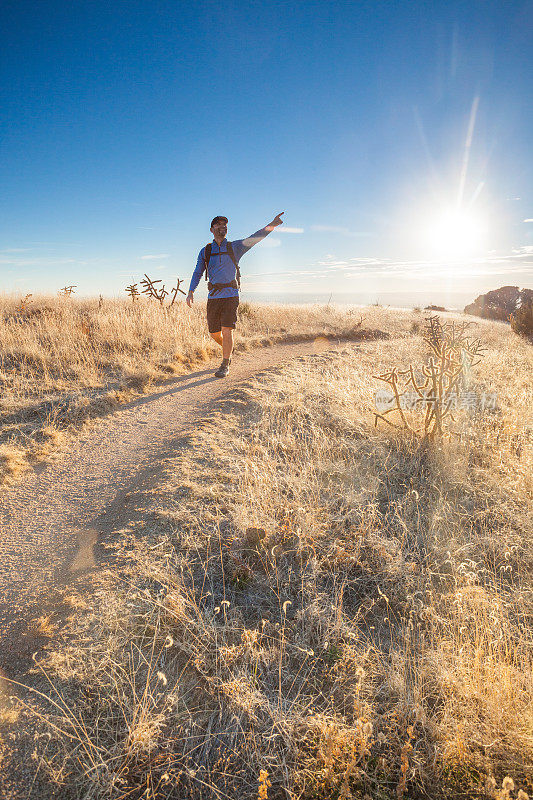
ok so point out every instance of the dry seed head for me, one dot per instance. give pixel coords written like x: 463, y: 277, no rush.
x: 264, y: 784
x: 508, y: 784
x: 384, y: 596
x: 162, y: 677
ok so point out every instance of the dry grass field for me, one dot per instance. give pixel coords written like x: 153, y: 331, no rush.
x: 65, y: 361
x: 303, y: 605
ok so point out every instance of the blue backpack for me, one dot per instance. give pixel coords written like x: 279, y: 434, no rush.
x: 217, y: 286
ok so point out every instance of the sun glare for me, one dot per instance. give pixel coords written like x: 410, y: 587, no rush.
x: 454, y: 234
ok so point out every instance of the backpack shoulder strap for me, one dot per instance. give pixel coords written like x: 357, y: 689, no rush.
x: 229, y: 248
x: 207, y: 256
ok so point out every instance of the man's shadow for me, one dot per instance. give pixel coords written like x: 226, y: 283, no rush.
x: 176, y: 385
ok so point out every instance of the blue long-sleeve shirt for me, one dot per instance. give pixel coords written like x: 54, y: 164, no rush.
x: 221, y: 268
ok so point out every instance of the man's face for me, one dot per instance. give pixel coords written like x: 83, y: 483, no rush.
x: 220, y: 229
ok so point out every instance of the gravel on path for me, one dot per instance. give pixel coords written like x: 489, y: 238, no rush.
x: 50, y: 521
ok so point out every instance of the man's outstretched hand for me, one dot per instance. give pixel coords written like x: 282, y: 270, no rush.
x: 275, y: 222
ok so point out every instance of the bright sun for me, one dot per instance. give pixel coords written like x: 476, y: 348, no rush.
x: 454, y: 234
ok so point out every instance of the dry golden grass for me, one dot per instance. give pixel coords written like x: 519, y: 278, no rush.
x: 315, y: 608
x: 64, y: 361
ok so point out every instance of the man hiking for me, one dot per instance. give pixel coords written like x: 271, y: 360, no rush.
x: 220, y: 262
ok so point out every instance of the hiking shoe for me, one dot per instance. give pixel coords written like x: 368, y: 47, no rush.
x: 223, y: 370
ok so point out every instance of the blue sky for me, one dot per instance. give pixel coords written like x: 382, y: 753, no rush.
x: 127, y: 127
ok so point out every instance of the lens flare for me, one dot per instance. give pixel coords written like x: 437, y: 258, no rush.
x: 454, y: 234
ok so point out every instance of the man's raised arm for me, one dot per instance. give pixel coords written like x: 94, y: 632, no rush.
x: 241, y: 246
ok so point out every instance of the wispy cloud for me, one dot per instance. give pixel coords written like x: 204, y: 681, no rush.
x: 340, y: 230
x: 155, y: 257
x: 283, y: 229
x: 38, y: 262
x: 496, y: 266
x: 332, y: 262
x: 529, y: 219
x: 523, y: 252
x: 56, y: 244
x: 518, y: 262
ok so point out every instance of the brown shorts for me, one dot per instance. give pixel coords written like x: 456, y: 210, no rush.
x: 221, y: 313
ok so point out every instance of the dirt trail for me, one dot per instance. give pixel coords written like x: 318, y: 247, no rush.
x: 50, y: 522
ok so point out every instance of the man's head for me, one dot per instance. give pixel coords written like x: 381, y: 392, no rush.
x: 219, y: 227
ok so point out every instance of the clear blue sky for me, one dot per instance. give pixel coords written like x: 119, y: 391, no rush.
x: 127, y: 126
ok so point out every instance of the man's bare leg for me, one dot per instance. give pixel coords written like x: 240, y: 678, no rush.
x: 227, y: 342
x: 225, y: 339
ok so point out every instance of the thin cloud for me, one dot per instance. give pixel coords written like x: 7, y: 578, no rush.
x: 340, y: 230
x: 155, y: 257
x: 332, y: 264
x: 518, y: 262
x: 37, y: 262
x: 283, y: 229
x: 529, y: 219
x: 56, y: 244
x: 523, y: 252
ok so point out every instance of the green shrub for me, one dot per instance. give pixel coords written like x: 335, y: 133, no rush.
x: 522, y: 319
